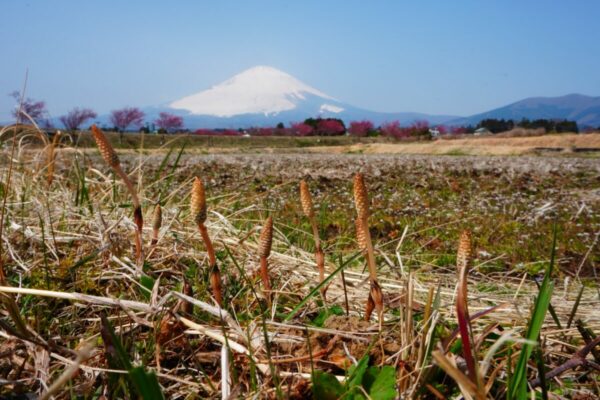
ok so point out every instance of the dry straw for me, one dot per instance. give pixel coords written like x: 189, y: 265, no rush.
x: 110, y: 157
x: 199, y: 213
x: 52, y: 157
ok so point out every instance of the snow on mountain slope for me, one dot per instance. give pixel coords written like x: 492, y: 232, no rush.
x: 259, y: 90
x: 330, y: 108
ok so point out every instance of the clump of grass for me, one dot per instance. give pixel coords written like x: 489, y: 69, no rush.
x: 363, y: 235
x: 112, y: 159
x: 517, y: 385
x: 199, y: 214
x: 307, y: 208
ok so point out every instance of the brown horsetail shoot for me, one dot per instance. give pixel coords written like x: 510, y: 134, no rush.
x: 264, y: 251
x: 111, y: 158
x: 199, y: 215
x: 363, y: 235
x: 307, y: 208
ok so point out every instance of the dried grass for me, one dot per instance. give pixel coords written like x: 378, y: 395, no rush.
x: 93, y: 246
x: 481, y: 145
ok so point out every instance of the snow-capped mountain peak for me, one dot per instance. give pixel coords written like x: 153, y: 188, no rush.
x: 258, y: 90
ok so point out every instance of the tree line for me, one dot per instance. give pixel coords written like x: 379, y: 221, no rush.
x: 127, y: 118
x: 122, y: 119
x: 549, y: 125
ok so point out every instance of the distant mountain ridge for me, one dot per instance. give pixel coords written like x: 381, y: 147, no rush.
x: 585, y: 110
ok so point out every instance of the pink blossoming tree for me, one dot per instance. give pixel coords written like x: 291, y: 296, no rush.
x: 169, y: 122
x: 393, y: 129
x: 360, y: 128
x: 28, y: 108
x: 77, y: 117
x: 125, y: 117
x: 330, y: 127
x: 301, y: 129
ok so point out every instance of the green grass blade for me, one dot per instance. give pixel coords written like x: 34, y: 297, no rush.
x: 518, y: 385
x: 146, y: 383
x: 171, y: 174
x: 113, y: 345
x: 163, y: 164
x: 541, y: 371
x: 551, y: 310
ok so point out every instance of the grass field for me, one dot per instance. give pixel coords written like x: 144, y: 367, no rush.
x: 83, y: 316
x: 558, y: 144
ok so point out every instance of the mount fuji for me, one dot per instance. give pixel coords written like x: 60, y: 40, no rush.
x: 265, y: 96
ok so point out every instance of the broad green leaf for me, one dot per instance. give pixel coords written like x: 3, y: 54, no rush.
x: 148, y: 283
x: 146, y: 384
x: 326, y: 386
x: 370, y: 375
x: 356, y: 373
x: 384, y: 386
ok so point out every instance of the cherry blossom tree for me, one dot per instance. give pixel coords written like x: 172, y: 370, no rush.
x: 301, y: 129
x: 265, y: 131
x: 330, y: 127
x: 77, y: 117
x: 169, y: 122
x: 126, y: 117
x: 360, y: 128
x: 419, y: 128
x: 28, y: 108
x: 393, y: 129
x: 458, y: 130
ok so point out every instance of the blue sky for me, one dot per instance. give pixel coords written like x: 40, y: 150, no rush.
x: 440, y: 57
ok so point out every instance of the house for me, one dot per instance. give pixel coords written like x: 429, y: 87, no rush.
x: 434, y: 132
x: 482, y: 132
